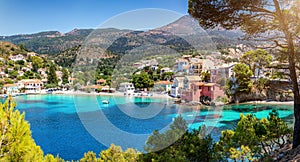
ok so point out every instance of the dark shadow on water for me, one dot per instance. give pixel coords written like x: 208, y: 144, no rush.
x: 31, y: 101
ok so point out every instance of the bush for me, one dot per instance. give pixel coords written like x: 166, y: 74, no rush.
x: 253, y: 138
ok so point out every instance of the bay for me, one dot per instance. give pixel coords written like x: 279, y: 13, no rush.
x: 69, y: 126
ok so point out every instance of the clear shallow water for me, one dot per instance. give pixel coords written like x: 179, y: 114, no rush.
x: 72, y: 125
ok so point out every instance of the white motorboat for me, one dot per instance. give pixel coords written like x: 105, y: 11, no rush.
x: 105, y: 101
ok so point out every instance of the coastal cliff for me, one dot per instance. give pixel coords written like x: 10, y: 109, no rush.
x: 276, y: 90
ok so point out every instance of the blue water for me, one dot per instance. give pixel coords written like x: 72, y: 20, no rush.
x: 72, y: 125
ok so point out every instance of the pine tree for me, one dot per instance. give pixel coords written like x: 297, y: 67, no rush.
x: 65, y: 76
x: 52, y: 78
x: 16, y: 143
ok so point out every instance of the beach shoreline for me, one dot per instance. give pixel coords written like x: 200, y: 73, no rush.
x: 115, y: 94
x: 270, y: 102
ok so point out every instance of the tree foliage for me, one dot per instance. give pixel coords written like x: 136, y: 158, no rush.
x: 37, y: 63
x: 65, y: 76
x: 16, y: 143
x: 115, y: 153
x: 142, y: 80
x: 178, y: 144
x: 275, y: 21
x: 242, y: 75
x: 256, y: 59
x: 253, y: 138
x: 51, y: 75
x: 205, y: 75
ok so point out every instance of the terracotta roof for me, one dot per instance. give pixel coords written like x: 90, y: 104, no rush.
x: 31, y: 81
x: 9, y: 85
x: 186, y: 55
x: 92, y: 86
x: 101, y: 81
x: 182, y: 60
x: 210, y: 84
x: 164, y: 82
x: 199, y: 83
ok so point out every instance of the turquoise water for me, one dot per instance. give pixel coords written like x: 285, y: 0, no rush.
x: 71, y: 125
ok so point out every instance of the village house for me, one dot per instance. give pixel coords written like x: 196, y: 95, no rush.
x: 207, y: 65
x: 31, y: 54
x: 143, y: 63
x: 31, y: 86
x: 41, y: 71
x: 212, y: 90
x: 187, y: 57
x: 165, y: 70
x: 198, y: 89
x: 196, y: 68
x: 162, y: 86
x: 10, y: 89
x: 45, y: 80
x: 187, y: 86
x: 177, y: 87
x: 26, y: 69
x: 100, y: 81
x: 107, y: 89
x: 21, y: 73
x: 127, y: 88
x: 223, y: 71
x: 182, y: 64
x: 3, y: 74
x: 17, y: 57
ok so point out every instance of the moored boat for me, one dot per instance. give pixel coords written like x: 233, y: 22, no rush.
x: 105, y: 101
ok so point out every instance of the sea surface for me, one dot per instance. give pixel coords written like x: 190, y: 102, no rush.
x: 69, y: 126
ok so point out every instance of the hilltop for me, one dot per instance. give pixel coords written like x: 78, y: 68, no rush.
x: 49, y: 42
x: 54, y: 42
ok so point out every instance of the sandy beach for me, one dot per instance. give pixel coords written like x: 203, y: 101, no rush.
x: 271, y: 102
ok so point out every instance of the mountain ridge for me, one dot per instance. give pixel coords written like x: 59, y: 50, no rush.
x: 53, y: 42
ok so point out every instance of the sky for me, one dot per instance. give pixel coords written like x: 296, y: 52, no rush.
x: 32, y: 16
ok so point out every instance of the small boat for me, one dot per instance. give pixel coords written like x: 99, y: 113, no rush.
x: 105, y: 101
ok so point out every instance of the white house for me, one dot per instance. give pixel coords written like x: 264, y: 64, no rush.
x: 31, y: 54
x: 207, y: 65
x: 177, y: 86
x: 127, y: 88
x: 181, y: 64
x: 31, y: 86
x: 21, y: 73
x: 17, y: 57
x: 10, y: 89
x: 223, y: 71
x: 165, y: 70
